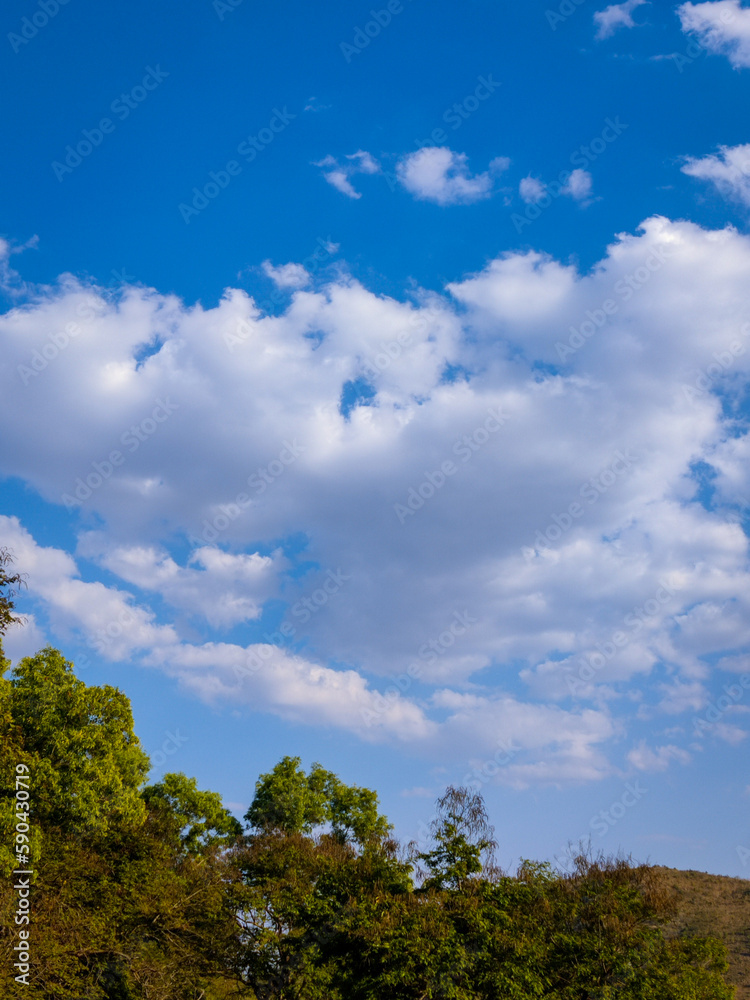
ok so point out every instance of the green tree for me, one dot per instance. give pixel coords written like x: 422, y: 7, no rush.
x: 604, y: 934
x: 130, y: 896
x: 464, y: 841
x: 125, y: 914
x: 298, y: 898
x: 195, y: 820
x: 319, y: 850
x: 290, y: 801
x: 87, y: 763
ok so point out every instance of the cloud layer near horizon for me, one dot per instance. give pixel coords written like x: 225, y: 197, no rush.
x: 498, y: 480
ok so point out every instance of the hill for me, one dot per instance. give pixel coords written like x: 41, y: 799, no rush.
x: 719, y: 906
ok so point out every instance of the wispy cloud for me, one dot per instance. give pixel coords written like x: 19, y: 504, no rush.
x: 314, y: 105
x: 578, y: 187
x: 657, y: 759
x: 338, y: 174
x: 617, y: 15
x: 728, y: 171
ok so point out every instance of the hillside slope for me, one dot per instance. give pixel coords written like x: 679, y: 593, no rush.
x: 719, y: 906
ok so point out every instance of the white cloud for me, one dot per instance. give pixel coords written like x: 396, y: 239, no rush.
x: 549, y: 745
x: 363, y: 162
x: 419, y: 792
x: 723, y: 27
x: 532, y: 190
x: 338, y: 174
x: 339, y: 179
x: 105, y: 616
x: 436, y: 173
x: 579, y: 185
x: 287, y: 275
x: 658, y: 758
x: 24, y: 639
x: 268, y: 679
x: 261, y: 675
x: 226, y: 590
x: 272, y: 680
x: 728, y: 171
x: 733, y: 735
x: 617, y: 15
x: 735, y: 664
x: 313, y: 104
x: 682, y: 696
x: 518, y: 288
x: 625, y: 383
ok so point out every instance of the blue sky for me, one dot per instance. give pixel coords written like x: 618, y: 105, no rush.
x: 376, y: 391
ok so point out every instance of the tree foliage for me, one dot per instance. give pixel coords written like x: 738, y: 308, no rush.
x: 88, y: 763
x: 195, y: 820
x: 10, y: 584
x: 152, y: 892
x: 129, y: 895
x: 290, y: 801
x: 464, y: 841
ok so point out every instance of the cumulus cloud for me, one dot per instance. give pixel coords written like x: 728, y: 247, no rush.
x: 728, y: 171
x: 325, y: 435
x: 617, y: 15
x: 338, y: 174
x: 269, y: 678
x: 112, y: 624
x: 291, y: 276
x: 579, y: 185
x: 518, y: 287
x: 106, y: 616
x: 722, y: 27
x: 532, y: 190
x: 226, y: 589
x: 436, y: 173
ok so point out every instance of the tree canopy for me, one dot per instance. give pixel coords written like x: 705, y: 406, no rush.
x: 198, y: 819
x: 464, y: 841
x: 88, y: 764
x: 290, y: 801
